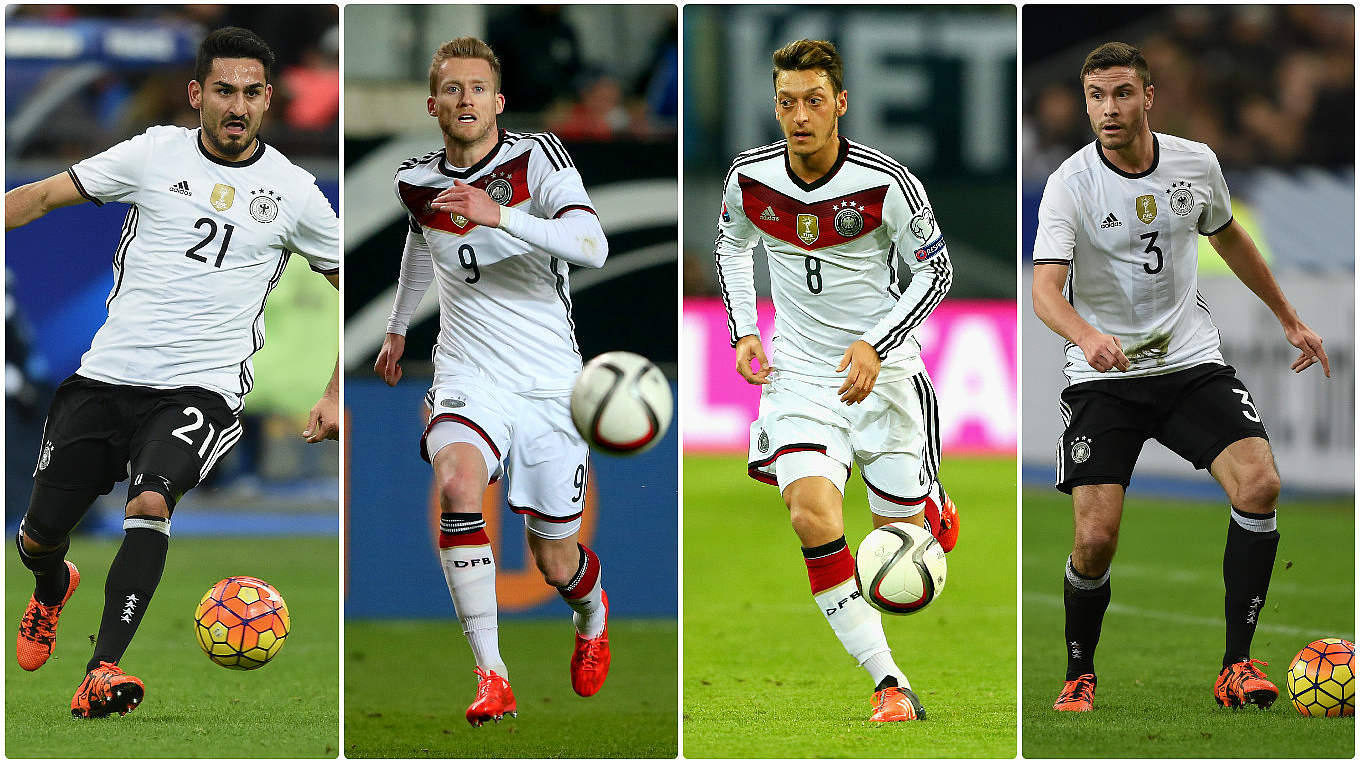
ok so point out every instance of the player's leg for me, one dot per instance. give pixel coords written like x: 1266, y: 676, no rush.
x: 1216, y: 426
x: 551, y: 467
x: 80, y: 457
x: 1106, y: 429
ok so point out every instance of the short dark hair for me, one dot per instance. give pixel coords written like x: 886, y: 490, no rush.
x: 1113, y: 55
x: 464, y: 47
x: 810, y: 55
x: 232, y: 42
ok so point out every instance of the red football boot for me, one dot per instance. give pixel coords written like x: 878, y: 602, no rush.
x: 590, y: 658
x: 494, y: 698
x: 38, y: 628
x: 107, y: 690
x: 943, y: 520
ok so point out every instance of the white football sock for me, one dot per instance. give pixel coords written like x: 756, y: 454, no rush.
x: 470, y: 572
x: 860, y: 630
x: 588, y: 613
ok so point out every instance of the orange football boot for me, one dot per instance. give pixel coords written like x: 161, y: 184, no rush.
x: 1242, y: 683
x: 943, y: 520
x: 590, y: 658
x: 107, y: 690
x: 894, y: 703
x: 1078, y: 695
x: 38, y: 628
x: 494, y: 698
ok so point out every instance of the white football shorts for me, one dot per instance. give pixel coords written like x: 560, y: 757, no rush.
x: 529, y: 438
x: 893, y: 436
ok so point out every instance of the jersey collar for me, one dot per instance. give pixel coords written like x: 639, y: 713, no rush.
x: 256, y: 156
x: 471, y: 170
x: 1156, y: 156
x: 825, y: 178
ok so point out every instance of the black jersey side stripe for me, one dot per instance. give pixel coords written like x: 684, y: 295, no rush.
x: 755, y: 155
x: 892, y: 272
x: 553, y: 158
x: 246, y: 374
x: 896, y: 336
x: 566, y: 300
x: 412, y: 163
x: 80, y: 188
x: 556, y: 143
x: 120, y: 253
x: 904, y: 183
x: 1064, y: 262
x: 724, y: 292
x: 877, y: 159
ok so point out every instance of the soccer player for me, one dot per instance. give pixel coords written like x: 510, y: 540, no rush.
x: 495, y: 217
x: 1114, y: 273
x: 847, y: 385
x: 214, y: 215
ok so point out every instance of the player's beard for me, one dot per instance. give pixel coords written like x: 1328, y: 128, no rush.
x: 464, y: 136
x: 230, y: 148
x: 1125, y: 136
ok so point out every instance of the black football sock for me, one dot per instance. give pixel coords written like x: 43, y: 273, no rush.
x: 1084, y: 600
x: 133, y: 577
x: 1248, y: 558
x: 49, y: 570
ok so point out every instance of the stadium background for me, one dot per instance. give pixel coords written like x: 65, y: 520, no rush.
x: 1270, y: 89
x: 604, y: 79
x: 934, y: 88
x: 79, y: 79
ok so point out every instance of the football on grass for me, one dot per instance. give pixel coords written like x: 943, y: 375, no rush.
x: 621, y: 403
x: 900, y: 568
x: 241, y: 622
x: 1321, y: 679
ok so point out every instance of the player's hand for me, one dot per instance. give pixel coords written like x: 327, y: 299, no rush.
x: 748, y: 348
x: 1310, y: 348
x: 470, y: 202
x: 324, y: 421
x: 1104, y: 352
x: 863, y: 363
x: 388, y: 365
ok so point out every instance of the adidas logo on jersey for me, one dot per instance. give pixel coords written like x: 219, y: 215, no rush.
x: 769, y: 215
x: 181, y: 187
x: 1110, y: 221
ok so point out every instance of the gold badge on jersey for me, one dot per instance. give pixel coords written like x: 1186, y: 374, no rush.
x: 222, y: 196
x: 1147, y: 208
x: 459, y: 219
x: 807, y: 228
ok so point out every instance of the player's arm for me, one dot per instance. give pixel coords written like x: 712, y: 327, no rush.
x: 324, y: 421
x: 1054, y: 246
x: 25, y: 203
x: 732, y: 250
x: 417, y: 271
x: 1238, y: 250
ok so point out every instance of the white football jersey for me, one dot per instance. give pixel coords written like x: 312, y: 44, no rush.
x: 203, y: 244
x: 504, y: 305
x: 1131, y: 243
x: 833, y: 248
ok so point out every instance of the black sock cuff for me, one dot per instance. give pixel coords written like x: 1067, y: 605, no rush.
x: 825, y: 550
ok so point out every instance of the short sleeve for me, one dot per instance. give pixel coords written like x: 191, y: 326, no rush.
x: 115, y: 174
x: 317, y: 234
x: 1217, y: 213
x: 1056, y: 239
x: 554, y: 180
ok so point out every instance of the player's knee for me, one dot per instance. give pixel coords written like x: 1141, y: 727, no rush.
x: 1259, y: 492
x: 1096, y: 541
x: 461, y: 489
x: 148, y: 504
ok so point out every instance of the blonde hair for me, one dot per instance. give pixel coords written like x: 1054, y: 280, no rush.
x: 464, y: 47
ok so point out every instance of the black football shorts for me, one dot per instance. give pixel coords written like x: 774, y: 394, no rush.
x: 98, y: 433
x: 1196, y: 412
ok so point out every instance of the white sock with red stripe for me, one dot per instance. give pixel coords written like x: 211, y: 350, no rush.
x: 585, y: 594
x: 470, y: 571
x: 831, y: 571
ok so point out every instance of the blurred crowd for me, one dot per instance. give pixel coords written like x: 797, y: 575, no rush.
x: 1261, y: 84
x: 122, y: 101
x: 540, y: 51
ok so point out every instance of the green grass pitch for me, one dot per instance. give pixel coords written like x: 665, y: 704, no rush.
x: 193, y: 708
x: 1162, y: 639
x: 407, y: 684
x: 765, y: 675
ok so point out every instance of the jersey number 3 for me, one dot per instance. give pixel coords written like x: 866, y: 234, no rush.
x: 212, y: 234
x: 1152, y: 248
